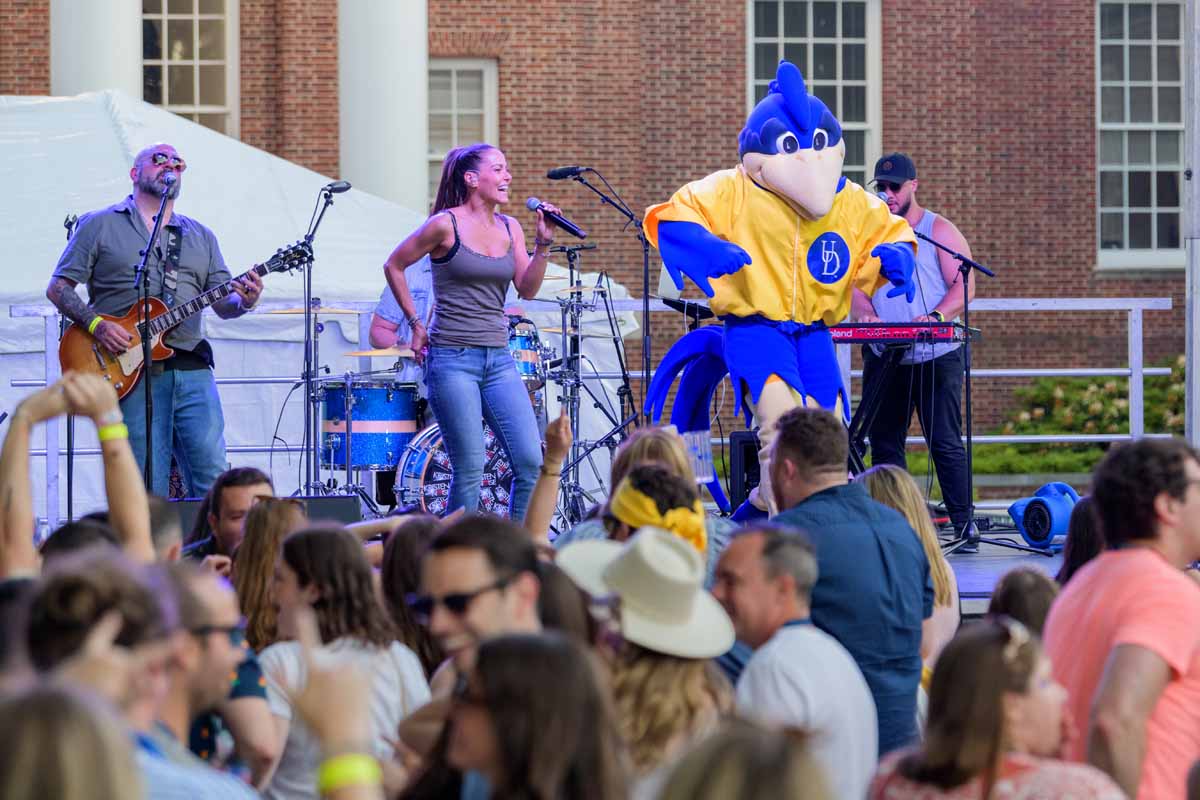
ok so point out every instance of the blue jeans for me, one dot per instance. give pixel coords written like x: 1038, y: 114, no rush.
x: 468, y: 385
x: 187, y: 422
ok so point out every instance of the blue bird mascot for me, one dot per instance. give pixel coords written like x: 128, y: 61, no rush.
x: 777, y: 243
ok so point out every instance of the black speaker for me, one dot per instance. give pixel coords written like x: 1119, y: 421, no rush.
x: 743, y: 465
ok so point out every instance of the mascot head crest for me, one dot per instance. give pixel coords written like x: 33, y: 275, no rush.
x: 792, y: 145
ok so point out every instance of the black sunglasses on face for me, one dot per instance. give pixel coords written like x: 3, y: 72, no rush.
x: 158, y: 159
x: 236, y: 633
x: 888, y: 185
x: 457, y: 603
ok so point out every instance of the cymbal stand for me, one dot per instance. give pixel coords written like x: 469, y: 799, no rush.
x: 351, y: 486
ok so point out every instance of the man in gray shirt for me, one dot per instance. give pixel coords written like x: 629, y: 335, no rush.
x: 185, y: 263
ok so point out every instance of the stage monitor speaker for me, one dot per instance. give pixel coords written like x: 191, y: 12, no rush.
x: 743, y: 465
x: 321, y: 508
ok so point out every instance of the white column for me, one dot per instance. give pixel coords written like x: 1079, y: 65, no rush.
x: 382, y: 98
x: 95, y: 45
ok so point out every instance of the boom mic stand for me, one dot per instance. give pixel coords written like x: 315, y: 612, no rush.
x: 623, y: 208
x: 70, y: 224
x: 969, y: 536
x: 142, y: 281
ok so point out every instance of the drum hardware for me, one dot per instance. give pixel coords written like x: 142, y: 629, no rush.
x: 317, y: 310
x: 423, y: 474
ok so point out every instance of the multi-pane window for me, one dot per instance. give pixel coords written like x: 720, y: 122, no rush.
x: 462, y: 108
x: 1140, y: 117
x: 830, y: 44
x: 189, y: 59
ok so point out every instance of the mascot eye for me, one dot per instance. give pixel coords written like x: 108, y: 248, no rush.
x: 820, y: 139
x: 787, y: 143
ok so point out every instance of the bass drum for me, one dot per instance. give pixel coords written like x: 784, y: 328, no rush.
x: 423, y: 474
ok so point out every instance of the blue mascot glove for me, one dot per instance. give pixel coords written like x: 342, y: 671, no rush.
x: 689, y: 249
x: 896, y: 262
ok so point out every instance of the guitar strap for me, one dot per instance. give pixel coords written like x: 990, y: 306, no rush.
x: 171, y: 265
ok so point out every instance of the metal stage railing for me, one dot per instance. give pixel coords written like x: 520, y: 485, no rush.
x: 1133, y: 307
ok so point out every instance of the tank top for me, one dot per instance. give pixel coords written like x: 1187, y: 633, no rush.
x: 468, y: 290
x: 931, y: 288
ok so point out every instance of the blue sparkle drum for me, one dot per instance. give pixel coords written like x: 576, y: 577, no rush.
x: 380, y: 415
x: 423, y: 474
x: 526, y: 348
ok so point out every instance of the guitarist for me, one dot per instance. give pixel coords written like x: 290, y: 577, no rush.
x: 185, y: 262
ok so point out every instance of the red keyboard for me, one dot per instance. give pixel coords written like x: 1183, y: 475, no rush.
x: 899, y: 332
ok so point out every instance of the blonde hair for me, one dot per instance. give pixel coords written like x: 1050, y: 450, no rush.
x: 662, y: 700
x: 657, y: 444
x: 63, y: 744
x: 894, y: 487
x: 269, y: 521
x: 751, y: 762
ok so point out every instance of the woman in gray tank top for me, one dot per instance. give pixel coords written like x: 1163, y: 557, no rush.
x: 476, y: 251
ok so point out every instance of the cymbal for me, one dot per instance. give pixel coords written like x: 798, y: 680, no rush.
x: 395, y: 352
x: 321, y: 310
x: 574, y: 332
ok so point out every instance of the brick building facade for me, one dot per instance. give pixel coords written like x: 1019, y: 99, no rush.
x: 996, y: 101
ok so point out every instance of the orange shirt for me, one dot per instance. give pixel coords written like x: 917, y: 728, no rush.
x: 1133, y: 597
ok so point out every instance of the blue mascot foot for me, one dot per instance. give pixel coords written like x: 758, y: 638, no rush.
x: 748, y: 512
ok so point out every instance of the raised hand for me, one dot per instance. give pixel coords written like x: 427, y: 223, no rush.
x: 896, y: 263
x: 689, y: 249
x: 335, y: 700
x: 89, y: 395
x: 558, y: 440
x: 44, y: 404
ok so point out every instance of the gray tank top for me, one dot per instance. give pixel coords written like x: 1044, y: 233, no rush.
x: 468, y: 291
x: 931, y: 288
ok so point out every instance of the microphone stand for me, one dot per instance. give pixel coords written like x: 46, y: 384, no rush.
x: 633, y: 219
x: 312, y: 415
x: 141, y: 280
x: 969, y: 535
x: 69, y: 223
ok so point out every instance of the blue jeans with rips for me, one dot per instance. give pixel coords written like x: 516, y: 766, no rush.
x: 468, y: 385
x: 187, y: 422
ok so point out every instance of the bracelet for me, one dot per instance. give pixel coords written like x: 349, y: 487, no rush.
x: 110, y: 417
x: 539, y: 243
x: 550, y: 473
x: 350, y: 769
x: 414, y: 321
x: 107, y: 433
x: 95, y: 323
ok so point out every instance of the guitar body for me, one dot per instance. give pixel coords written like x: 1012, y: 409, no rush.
x: 79, y: 351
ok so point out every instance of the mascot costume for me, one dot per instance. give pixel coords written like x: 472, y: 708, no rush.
x: 777, y: 243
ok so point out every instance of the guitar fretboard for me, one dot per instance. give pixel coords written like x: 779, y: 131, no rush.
x: 179, y: 313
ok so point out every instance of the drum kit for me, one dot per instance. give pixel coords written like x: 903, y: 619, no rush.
x: 370, y: 423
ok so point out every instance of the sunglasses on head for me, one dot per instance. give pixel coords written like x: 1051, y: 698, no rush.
x: 893, y: 187
x: 457, y: 603
x: 236, y: 633
x: 158, y: 159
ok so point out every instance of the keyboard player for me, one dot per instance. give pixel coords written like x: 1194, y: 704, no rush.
x: 929, y: 376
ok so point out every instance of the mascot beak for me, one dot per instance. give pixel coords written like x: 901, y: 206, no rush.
x: 808, y: 179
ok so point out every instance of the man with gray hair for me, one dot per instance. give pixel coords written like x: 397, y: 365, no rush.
x: 799, y: 677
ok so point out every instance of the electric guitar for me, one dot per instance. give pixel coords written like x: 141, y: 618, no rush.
x: 78, y: 350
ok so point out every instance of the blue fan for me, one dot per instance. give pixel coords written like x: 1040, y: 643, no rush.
x: 1042, y: 520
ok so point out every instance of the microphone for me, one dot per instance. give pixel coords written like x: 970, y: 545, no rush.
x: 169, y: 178
x: 562, y: 173
x: 337, y: 187
x: 533, y: 204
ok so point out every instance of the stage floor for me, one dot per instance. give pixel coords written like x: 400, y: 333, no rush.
x: 978, y: 573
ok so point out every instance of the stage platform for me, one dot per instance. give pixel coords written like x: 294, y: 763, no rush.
x: 978, y: 573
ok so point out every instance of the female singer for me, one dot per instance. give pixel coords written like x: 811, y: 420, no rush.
x: 476, y: 251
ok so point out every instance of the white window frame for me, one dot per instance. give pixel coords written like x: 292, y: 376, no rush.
x: 872, y: 129
x: 491, y: 101
x: 1126, y: 259
x: 232, y: 64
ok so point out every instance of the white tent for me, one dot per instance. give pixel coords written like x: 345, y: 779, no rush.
x: 61, y: 156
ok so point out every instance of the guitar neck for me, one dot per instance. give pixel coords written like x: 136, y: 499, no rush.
x: 179, y: 313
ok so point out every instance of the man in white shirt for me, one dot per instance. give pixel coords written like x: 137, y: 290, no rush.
x: 799, y: 677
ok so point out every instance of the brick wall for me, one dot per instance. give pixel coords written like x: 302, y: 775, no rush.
x: 25, y: 47
x: 289, y: 80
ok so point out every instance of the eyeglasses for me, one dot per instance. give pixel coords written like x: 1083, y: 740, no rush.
x: 888, y: 185
x: 463, y: 695
x: 236, y: 633
x: 457, y: 603
x: 158, y: 159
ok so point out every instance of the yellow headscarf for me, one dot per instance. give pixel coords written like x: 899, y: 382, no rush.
x: 637, y: 509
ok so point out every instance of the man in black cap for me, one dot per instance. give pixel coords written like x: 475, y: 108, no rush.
x: 929, y: 376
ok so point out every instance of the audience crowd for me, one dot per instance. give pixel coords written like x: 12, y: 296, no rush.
x: 652, y: 651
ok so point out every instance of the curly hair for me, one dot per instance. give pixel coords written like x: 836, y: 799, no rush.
x: 659, y: 697
x: 1129, y: 478
x: 332, y: 560
x: 271, y: 519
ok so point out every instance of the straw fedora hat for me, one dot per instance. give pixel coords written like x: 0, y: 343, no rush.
x: 659, y: 579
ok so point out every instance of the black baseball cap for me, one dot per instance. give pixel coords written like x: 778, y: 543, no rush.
x: 895, y: 168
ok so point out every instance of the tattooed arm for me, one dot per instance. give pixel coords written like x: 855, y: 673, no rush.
x: 61, y: 292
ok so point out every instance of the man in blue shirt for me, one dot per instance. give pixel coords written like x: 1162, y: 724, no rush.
x: 874, y: 588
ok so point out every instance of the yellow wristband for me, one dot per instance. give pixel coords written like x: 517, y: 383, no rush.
x: 95, y: 324
x: 115, y: 431
x: 349, y: 769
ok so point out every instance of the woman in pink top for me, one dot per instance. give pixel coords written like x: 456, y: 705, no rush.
x: 996, y: 726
